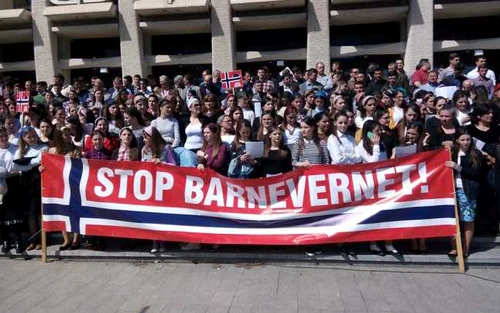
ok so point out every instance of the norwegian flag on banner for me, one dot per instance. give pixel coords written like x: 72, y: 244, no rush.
x: 231, y: 79
x: 22, y: 101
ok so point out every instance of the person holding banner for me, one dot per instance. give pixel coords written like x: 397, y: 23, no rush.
x: 63, y: 145
x: 156, y: 150
x: 372, y: 150
x: 213, y: 154
x: 241, y: 164
x: 467, y: 163
x: 309, y: 150
x: 27, y: 160
x: 341, y: 145
x: 444, y: 134
x: 277, y: 157
x: 10, y: 216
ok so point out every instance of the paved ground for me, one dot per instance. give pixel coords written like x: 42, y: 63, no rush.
x: 76, y: 286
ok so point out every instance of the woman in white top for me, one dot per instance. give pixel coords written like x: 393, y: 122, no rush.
x: 372, y: 150
x: 461, y: 103
x: 340, y: 144
x: 291, y: 126
x: 193, y: 130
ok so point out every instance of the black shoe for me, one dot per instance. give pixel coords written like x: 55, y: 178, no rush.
x: 65, y: 247
x: 75, y: 246
x: 19, y: 247
x: 5, y: 247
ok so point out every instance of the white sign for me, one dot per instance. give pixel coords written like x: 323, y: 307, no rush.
x: 66, y: 2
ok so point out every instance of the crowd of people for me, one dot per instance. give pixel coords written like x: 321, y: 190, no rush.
x: 302, y: 118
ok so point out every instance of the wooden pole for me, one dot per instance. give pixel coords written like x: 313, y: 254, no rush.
x: 458, y: 235
x: 43, y: 234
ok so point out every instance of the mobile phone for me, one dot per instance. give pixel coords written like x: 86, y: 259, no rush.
x: 369, y: 135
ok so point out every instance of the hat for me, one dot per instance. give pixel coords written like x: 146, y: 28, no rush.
x: 320, y: 94
x: 148, y: 130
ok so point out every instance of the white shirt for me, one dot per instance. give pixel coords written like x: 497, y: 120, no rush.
x: 458, y: 177
x: 398, y: 114
x: 249, y: 115
x: 461, y: 115
x: 342, y: 149
x: 292, y: 136
x: 489, y: 74
x: 375, y: 157
x: 194, y: 136
x: 359, y: 121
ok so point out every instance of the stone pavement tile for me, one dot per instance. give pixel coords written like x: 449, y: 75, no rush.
x: 223, y: 297
x: 139, y: 299
x: 172, y: 308
x: 240, y: 309
x: 217, y: 309
x: 192, y: 308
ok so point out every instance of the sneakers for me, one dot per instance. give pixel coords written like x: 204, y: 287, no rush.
x: 190, y: 246
x: 155, y: 247
x: 374, y: 248
x: 313, y: 250
x: 390, y: 249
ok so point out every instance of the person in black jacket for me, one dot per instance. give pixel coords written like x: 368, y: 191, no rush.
x: 466, y: 163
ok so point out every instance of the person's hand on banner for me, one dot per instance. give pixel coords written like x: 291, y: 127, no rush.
x: 156, y: 161
x: 201, y: 167
x: 305, y: 164
x: 41, y: 168
x: 447, y: 144
x: 453, y: 165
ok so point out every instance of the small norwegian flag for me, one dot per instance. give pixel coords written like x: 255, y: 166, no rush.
x: 22, y: 101
x: 231, y: 79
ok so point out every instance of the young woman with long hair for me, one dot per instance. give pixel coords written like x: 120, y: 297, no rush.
x: 114, y: 117
x: 63, y: 145
x: 309, y: 150
x: 277, y: 157
x: 156, y: 150
x: 323, y: 122
x: 411, y: 114
x: 372, y: 150
x: 11, y: 218
x: 133, y: 120
x: 211, y: 108
x: 337, y: 104
x: 398, y: 105
x: 242, y: 164
x: 444, y: 134
x: 267, y: 125
x: 467, y: 163
x: 341, y: 145
x: 27, y: 160
x: 387, y: 136
x: 432, y: 119
x: 227, y: 131
x: 291, y: 126
x: 129, y: 150
x: 213, y: 154
x: 461, y: 103
x: 167, y: 124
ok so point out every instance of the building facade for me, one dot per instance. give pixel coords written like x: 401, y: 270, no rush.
x: 40, y: 38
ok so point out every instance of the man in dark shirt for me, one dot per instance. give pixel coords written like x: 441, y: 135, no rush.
x: 377, y: 83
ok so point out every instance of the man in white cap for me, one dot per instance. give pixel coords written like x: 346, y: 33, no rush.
x: 481, y: 61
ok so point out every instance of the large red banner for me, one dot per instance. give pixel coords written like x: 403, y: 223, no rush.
x: 410, y: 197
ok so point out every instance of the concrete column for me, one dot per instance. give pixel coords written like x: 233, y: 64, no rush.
x: 420, y: 36
x: 223, y: 36
x: 65, y: 53
x: 131, y: 42
x: 44, y: 43
x: 318, y: 33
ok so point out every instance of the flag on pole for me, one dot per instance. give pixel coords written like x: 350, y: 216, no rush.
x: 231, y: 79
x: 22, y: 101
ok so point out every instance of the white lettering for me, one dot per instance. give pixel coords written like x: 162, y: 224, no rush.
x: 193, y: 186
x: 297, y: 192
x: 164, y: 181
x: 362, y: 186
x: 256, y: 197
x: 339, y: 184
x: 383, y: 182
x: 102, y: 176
x: 214, y: 193
x: 314, y: 190
x: 122, y: 193
x: 406, y: 181
x: 274, y: 192
x: 148, y: 185
x: 235, y: 191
